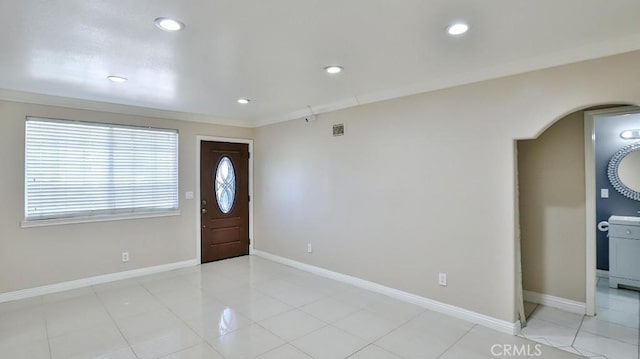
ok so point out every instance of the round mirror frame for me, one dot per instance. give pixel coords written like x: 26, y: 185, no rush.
x: 612, y: 171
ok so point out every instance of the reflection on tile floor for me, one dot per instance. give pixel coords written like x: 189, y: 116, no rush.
x: 250, y: 307
x: 613, y: 333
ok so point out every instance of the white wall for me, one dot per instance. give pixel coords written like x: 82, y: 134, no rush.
x: 421, y: 184
x: 31, y: 257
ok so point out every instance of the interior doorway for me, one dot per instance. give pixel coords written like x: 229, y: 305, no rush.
x: 610, y: 148
x: 570, y: 307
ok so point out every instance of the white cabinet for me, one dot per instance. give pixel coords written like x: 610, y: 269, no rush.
x: 624, y: 251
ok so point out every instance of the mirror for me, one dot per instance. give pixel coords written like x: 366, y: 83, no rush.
x: 624, y: 171
x: 629, y: 170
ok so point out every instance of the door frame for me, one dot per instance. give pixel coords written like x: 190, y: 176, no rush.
x: 590, y: 196
x: 197, y: 197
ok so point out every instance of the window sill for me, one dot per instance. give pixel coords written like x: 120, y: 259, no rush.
x: 103, y: 218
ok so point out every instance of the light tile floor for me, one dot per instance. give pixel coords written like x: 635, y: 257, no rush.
x: 246, y: 307
x: 613, y: 333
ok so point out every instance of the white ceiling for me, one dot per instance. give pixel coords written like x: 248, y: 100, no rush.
x: 273, y: 51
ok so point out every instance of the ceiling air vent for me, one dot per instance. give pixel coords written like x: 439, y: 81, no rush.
x: 338, y: 130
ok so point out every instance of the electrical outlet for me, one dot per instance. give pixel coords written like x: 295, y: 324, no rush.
x: 125, y: 256
x: 309, y: 248
x: 442, y: 279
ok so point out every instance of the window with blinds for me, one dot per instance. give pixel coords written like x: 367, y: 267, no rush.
x: 83, y: 170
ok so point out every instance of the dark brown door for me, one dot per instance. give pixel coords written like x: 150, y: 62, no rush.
x: 224, y: 189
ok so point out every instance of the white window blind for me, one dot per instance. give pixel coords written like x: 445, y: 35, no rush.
x: 80, y: 169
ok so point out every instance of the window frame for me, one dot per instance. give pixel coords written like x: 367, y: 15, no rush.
x: 100, y: 216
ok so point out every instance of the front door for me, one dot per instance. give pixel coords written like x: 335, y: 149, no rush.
x: 224, y: 194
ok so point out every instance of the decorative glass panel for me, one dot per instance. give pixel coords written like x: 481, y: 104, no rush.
x: 225, y: 184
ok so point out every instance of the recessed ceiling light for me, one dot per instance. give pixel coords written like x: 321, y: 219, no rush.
x: 334, y: 69
x: 457, y: 28
x: 243, y: 101
x: 118, y: 79
x: 167, y: 24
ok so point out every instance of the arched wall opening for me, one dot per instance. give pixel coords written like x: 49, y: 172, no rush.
x: 553, y: 215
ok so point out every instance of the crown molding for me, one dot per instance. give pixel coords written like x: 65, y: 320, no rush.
x: 81, y: 104
x: 562, y: 58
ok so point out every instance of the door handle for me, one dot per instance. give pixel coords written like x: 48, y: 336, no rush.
x: 204, y: 211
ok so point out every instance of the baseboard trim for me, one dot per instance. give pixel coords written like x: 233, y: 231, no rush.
x: 555, y: 302
x: 602, y: 273
x: 457, y: 312
x: 86, y: 282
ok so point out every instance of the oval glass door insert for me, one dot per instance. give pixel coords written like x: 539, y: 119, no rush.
x: 225, y: 184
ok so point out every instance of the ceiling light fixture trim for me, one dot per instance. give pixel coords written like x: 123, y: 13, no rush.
x: 169, y: 24
x: 457, y: 29
x: 117, y: 79
x: 333, y: 69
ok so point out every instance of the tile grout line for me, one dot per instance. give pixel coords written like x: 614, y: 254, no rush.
x: 182, y: 321
x: 359, y: 350
x: 327, y: 324
x: 46, y: 329
x: 457, y: 341
x: 281, y: 346
x: 253, y: 322
x: 402, y: 324
x: 114, y: 322
x: 577, y: 331
x: 314, y: 316
x: 405, y: 322
x: 187, y: 348
x: 614, y: 339
x: 395, y: 329
x: 381, y: 348
x: 559, y: 325
x: 204, y: 340
x: 379, y: 337
x: 289, y: 342
x: 582, y: 328
x: 575, y: 336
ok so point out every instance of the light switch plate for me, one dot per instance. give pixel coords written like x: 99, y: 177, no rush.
x: 442, y: 279
x: 604, y: 193
x: 188, y: 195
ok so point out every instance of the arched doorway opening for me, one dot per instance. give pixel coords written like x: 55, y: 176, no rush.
x: 556, y: 205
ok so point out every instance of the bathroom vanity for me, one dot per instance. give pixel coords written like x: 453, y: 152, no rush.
x: 624, y: 251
